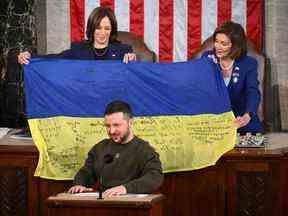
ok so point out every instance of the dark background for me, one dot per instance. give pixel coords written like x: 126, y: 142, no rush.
x: 17, y: 33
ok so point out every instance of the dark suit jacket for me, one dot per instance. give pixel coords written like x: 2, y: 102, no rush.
x: 243, y: 90
x: 85, y: 51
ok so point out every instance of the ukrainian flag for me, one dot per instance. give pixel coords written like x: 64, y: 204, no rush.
x: 182, y: 109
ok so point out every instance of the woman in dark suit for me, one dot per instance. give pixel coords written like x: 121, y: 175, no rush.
x: 239, y: 72
x: 101, y: 43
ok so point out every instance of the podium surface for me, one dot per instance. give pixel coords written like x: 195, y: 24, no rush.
x: 127, y: 205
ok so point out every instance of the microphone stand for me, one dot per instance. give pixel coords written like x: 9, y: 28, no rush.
x: 108, y: 158
x: 100, y: 187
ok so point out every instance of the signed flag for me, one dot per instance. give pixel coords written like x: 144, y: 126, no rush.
x: 182, y: 109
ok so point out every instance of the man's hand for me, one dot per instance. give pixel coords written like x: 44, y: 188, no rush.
x: 79, y: 189
x: 115, y: 191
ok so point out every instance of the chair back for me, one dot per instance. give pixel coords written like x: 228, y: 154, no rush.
x: 142, y: 52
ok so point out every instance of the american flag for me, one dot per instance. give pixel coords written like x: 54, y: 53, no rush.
x: 173, y: 29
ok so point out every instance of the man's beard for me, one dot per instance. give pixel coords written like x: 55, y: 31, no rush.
x: 124, y: 138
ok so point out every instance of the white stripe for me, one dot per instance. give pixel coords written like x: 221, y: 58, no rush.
x: 209, y: 18
x: 122, y: 12
x: 89, y: 7
x: 239, y: 11
x: 151, y: 25
x: 180, y: 31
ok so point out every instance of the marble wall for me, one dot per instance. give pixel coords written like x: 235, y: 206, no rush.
x: 53, y: 26
x: 276, y: 40
x: 17, y: 24
x: 17, y: 27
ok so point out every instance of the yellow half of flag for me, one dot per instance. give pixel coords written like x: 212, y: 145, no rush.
x: 183, y: 142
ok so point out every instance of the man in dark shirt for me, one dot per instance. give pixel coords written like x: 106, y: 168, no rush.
x: 124, y: 163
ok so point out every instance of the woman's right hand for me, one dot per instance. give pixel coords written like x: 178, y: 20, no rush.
x: 242, y: 121
x: 129, y: 57
x: 24, y: 57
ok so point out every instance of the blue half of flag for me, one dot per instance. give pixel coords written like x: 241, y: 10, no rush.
x: 59, y: 87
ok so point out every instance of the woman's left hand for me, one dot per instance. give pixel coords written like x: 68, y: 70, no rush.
x: 242, y: 121
x: 129, y: 57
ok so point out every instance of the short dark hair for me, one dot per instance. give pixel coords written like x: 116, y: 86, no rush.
x: 94, y: 21
x: 236, y: 34
x: 119, y: 106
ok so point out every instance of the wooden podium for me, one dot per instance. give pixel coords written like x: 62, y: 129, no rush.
x: 249, y: 180
x: 132, y: 205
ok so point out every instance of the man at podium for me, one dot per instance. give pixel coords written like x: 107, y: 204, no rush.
x: 122, y: 164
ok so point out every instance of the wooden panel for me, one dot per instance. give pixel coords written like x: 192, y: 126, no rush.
x: 284, y: 188
x: 18, y: 191
x: 65, y: 204
x: 277, y: 189
x: 190, y: 193
x: 13, y: 191
x: 99, y: 212
x: 18, y: 187
x: 50, y: 188
x: 254, y: 188
x: 251, y: 191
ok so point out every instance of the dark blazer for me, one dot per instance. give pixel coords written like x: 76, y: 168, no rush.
x: 243, y: 90
x: 85, y: 51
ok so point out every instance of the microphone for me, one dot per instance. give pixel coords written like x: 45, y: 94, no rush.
x: 107, y: 159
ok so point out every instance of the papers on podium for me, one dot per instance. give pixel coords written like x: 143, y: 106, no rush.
x: 4, y: 131
x: 96, y: 194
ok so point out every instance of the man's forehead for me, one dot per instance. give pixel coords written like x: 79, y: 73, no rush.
x: 115, y: 116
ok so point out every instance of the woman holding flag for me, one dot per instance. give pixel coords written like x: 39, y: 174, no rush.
x: 239, y: 72
x: 101, y: 42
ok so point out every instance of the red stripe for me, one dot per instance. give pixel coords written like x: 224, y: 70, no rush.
x: 165, y: 30
x: 194, y: 26
x: 254, y: 28
x: 224, y: 11
x: 255, y: 18
x: 108, y: 3
x: 77, y: 20
x: 137, y: 17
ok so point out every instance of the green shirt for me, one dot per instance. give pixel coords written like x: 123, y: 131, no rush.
x: 135, y: 165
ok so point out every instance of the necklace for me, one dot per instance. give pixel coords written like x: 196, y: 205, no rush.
x: 100, y: 52
x: 226, y: 68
